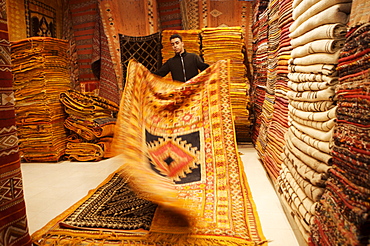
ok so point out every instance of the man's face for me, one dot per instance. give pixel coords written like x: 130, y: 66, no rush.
x: 177, y: 45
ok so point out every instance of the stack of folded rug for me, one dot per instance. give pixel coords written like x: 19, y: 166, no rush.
x: 317, y: 36
x: 91, y: 119
x: 228, y: 43
x: 273, y: 33
x: 343, y: 214
x: 273, y: 118
x: 259, y: 63
x: 41, y: 72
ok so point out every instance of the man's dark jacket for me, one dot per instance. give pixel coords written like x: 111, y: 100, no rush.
x: 189, y: 62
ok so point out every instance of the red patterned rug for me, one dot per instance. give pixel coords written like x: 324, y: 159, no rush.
x: 170, y: 14
x: 96, y: 69
x: 13, y: 220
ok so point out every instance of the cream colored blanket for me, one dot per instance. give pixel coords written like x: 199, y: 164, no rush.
x: 320, y: 145
x: 317, y: 58
x: 309, y: 8
x: 310, y: 77
x: 327, y: 31
x: 312, y: 96
x: 318, y: 46
x: 338, y: 13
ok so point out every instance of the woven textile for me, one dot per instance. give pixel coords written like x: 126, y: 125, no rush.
x: 13, y: 220
x: 173, y: 138
x: 146, y: 50
x: 40, y: 19
x: 228, y: 43
x: 96, y: 70
x: 190, y: 14
x: 170, y: 14
x: 316, y: 37
x: 259, y: 63
x: 268, y: 106
x: 269, y: 88
x: 345, y: 203
x: 40, y: 68
x: 110, y: 21
x: 91, y: 121
x: 360, y: 10
x: 102, y: 64
x: 83, y: 24
x: 68, y: 34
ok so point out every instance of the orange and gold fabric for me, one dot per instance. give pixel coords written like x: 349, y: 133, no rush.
x: 180, y: 170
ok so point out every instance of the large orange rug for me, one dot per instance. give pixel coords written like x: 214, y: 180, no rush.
x: 181, y: 181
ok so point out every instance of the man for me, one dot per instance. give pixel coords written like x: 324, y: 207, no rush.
x: 183, y: 66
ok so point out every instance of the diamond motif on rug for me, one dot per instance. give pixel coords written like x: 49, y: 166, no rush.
x: 173, y: 157
x: 7, y: 99
x: 8, y: 141
x: 216, y: 13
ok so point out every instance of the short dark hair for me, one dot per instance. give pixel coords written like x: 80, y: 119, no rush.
x: 176, y: 35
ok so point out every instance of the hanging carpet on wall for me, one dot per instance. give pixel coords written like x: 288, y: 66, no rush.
x: 146, y: 50
x: 170, y: 14
x: 96, y: 70
x: 40, y: 19
x: 13, y: 219
x: 177, y: 146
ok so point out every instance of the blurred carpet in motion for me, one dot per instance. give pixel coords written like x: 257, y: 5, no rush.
x: 181, y: 172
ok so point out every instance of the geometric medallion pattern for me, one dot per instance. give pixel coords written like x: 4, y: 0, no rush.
x: 176, y: 158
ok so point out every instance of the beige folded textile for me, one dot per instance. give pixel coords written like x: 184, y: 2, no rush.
x: 302, y: 7
x: 325, y: 69
x: 296, y: 154
x: 310, y: 77
x: 312, y: 96
x: 319, y: 106
x: 303, y: 226
x: 320, y: 145
x: 319, y: 135
x: 311, y: 191
x: 303, y: 204
x: 314, y: 116
x: 307, y: 149
x: 296, y: 165
x: 338, y: 13
x: 327, y: 31
x: 308, y: 86
x: 318, y: 46
x: 316, y: 58
x: 309, y: 8
x: 295, y: 3
x: 319, y: 125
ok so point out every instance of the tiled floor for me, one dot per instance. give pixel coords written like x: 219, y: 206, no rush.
x: 52, y: 188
